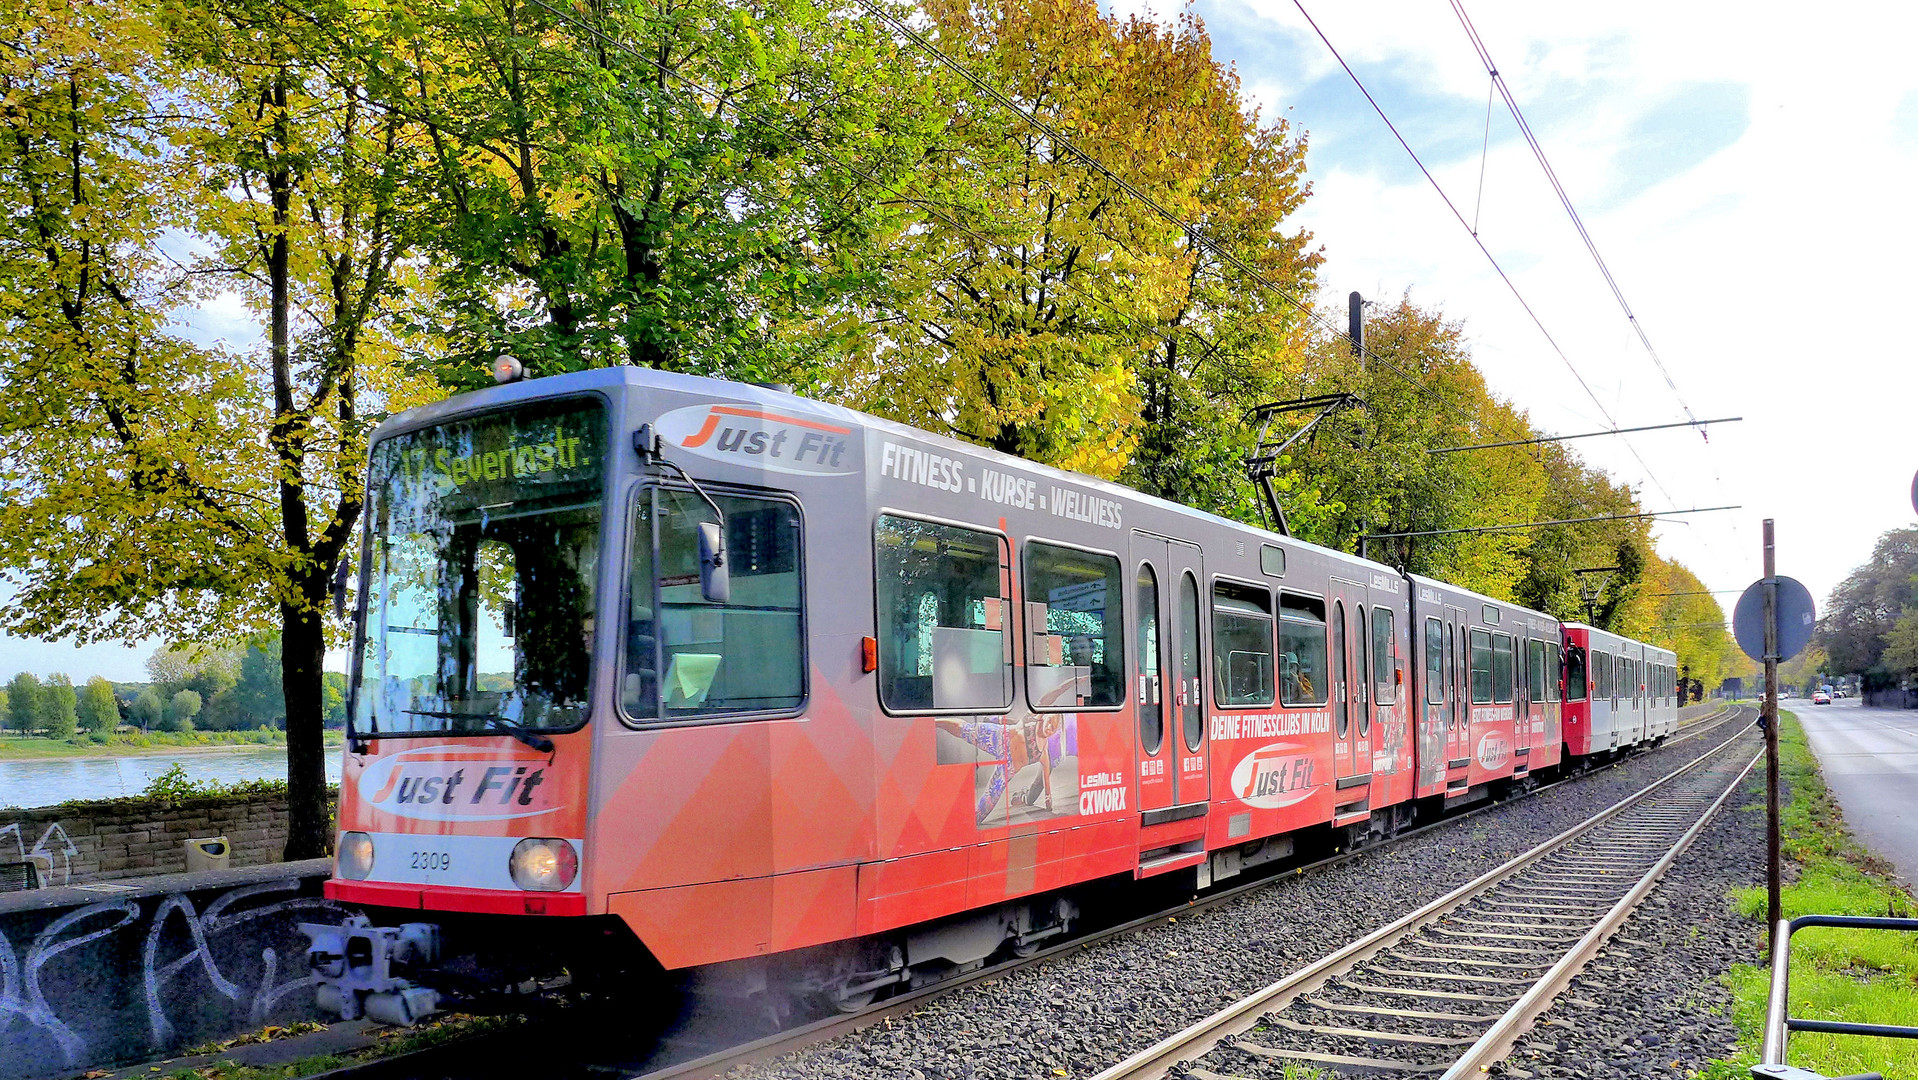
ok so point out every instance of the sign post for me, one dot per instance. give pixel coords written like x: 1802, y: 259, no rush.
x: 1772, y: 622
x: 1774, y: 871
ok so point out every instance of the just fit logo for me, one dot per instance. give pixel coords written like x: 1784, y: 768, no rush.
x: 446, y: 783
x: 1274, y: 776
x: 762, y: 438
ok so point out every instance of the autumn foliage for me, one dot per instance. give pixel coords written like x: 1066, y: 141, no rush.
x: 241, y: 232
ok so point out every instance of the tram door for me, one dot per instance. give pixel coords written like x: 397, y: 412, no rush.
x: 1170, y: 685
x: 1350, y: 719
x: 1458, y: 731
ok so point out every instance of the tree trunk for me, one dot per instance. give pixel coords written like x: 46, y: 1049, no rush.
x: 309, y: 825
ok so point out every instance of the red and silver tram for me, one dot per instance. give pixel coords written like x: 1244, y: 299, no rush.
x: 741, y: 683
x: 1619, y: 693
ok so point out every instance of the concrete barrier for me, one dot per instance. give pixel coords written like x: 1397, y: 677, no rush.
x: 102, y: 974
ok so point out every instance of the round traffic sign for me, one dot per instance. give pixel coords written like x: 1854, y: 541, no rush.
x: 1914, y: 491
x: 1796, y: 619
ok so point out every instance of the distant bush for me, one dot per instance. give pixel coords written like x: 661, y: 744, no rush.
x: 174, y: 785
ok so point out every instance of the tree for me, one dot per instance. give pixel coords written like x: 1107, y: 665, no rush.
x: 258, y: 694
x: 249, y: 132
x: 99, y: 710
x: 181, y: 709
x: 59, y: 707
x: 1865, y: 607
x: 1901, y: 647
x: 23, y: 701
x: 1039, y: 308
x: 693, y: 186
x: 335, y: 699
x: 148, y: 709
x: 173, y: 664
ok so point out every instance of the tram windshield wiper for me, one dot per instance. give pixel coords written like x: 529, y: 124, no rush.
x: 495, y: 722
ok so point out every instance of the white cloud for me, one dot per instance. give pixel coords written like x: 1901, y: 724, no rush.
x: 1767, y: 274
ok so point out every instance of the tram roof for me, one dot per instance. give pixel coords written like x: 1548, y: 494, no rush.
x: 533, y: 389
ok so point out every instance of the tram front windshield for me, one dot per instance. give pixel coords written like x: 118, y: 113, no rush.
x: 484, y: 550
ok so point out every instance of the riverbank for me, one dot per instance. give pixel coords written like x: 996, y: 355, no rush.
x: 33, y: 748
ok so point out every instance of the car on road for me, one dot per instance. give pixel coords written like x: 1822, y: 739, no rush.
x: 1819, y: 697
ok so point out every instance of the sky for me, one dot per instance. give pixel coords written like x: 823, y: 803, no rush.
x: 1745, y: 170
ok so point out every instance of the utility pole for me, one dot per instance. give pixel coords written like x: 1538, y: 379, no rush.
x: 1355, y: 328
x: 1770, y: 716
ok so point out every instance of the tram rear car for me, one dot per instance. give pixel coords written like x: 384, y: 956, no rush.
x: 1619, y: 693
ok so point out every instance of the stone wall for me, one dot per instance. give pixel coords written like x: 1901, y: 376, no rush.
x: 102, y: 974
x: 127, y: 838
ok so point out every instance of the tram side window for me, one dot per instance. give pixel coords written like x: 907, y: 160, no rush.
x: 1504, y: 667
x: 1075, y: 653
x: 1303, y: 672
x: 1535, y: 670
x: 1575, y: 674
x: 1241, y: 644
x: 1482, y: 667
x: 1384, y: 657
x: 943, y: 602
x: 1552, y: 658
x: 1434, y: 662
x: 743, y: 656
x: 1602, y: 672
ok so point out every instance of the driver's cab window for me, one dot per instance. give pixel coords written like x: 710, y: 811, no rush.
x: 688, y: 657
x: 496, y: 610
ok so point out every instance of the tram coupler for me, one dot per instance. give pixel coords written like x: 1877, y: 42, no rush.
x: 355, y: 964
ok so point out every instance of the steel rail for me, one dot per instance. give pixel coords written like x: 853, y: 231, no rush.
x: 1497, y: 1040
x: 1199, y: 1038
x: 793, y: 1039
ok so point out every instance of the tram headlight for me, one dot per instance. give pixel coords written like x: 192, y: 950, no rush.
x: 355, y: 859
x: 543, y: 864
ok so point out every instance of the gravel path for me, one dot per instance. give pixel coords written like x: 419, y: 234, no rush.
x: 1652, y: 1003
x: 1083, y: 1012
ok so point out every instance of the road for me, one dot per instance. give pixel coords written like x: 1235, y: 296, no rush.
x: 1870, y: 758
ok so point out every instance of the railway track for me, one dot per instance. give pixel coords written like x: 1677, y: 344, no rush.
x: 1446, y: 990
x: 482, y: 1056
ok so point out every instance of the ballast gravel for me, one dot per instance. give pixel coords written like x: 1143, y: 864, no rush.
x: 1085, y: 1011
x: 1652, y: 1003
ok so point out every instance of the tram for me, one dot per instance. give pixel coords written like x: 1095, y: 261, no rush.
x: 661, y: 672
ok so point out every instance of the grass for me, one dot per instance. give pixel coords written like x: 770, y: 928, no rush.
x: 392, y: 1042
x: 34, y: 747
x: 1857, y: 975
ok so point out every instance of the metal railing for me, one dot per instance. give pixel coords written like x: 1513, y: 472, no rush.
x: 1779, y: 1023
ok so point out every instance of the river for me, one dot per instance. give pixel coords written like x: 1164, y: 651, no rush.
x: 45, y: 781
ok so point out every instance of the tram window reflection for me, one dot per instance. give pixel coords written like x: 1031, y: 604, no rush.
x: 1434, y: 662
x: 687, y: 657
x: 1303, y: 674
x: 1504, y: 668
x: 1075, y: 645
x: 942, y: 596
x: 1241, y: 644
x: 1384, y: 657
x: 1481, y: 643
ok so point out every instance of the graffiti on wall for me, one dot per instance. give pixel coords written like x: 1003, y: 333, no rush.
x: 53, y: 851
x: 154, y: 962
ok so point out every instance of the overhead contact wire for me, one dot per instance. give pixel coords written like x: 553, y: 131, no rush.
x: 1487, y: 252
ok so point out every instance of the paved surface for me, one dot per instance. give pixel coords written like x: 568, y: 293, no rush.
x: 1870, y: 758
